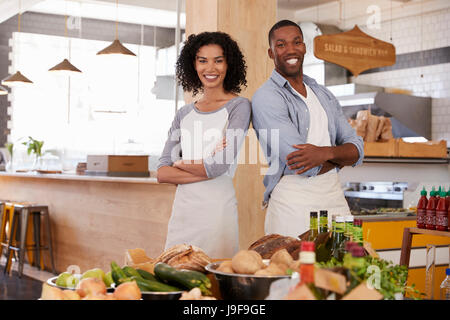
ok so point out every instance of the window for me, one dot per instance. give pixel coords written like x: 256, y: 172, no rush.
x: 112, y: 108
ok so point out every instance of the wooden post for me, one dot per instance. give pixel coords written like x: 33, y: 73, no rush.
x: 247, y: 22
x: 406, y: 248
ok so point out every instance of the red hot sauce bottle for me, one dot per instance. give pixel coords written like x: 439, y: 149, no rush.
x: 441, y: 213
x: 430, y: 220
x: 422, y: 209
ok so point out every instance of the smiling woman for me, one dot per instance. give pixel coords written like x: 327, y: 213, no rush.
x: 200, y: 154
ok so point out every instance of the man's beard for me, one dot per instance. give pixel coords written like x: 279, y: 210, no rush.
x: 291, y: 72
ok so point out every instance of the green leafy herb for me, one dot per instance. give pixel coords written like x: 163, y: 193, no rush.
x: 34, y: 146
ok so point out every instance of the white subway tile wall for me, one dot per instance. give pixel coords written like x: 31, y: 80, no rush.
x: 431, y: 81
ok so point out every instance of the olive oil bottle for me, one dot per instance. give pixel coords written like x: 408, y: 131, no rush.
x: 323, y: 221
x: 338, y: 238
x: 313, y: 226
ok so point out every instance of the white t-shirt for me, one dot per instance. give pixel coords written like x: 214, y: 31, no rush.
x: 318, y: 134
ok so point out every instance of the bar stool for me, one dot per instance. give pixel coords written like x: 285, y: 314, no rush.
x: 6, y: 211
x: 21, y: 221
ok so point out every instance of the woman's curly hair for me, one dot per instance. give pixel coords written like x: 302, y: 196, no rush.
x: 185, y: 66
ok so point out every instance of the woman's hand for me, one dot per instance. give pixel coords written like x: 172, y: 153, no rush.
x: 220, y: 146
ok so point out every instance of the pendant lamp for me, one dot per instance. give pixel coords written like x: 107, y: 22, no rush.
x: 116, y: 47
x: 65, y: 67
x: 17, y: 78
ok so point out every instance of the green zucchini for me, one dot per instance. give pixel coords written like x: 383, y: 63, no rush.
x: 149, y: 285
x: 146, y: 275
x: 131, y: 272
x: 117, y: 273
x: 186, y: 278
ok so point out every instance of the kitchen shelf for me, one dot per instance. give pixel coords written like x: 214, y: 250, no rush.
x: 406, y: 160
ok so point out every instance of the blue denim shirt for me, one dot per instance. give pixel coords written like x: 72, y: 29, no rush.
x: 275, y: 105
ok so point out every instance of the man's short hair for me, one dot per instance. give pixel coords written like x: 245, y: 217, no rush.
x: 283, y: 23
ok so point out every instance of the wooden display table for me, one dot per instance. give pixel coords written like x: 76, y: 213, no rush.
x: 407, y: 240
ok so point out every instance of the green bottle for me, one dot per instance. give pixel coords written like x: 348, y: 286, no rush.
x: 348, y: 231
x: 338, y: 239
x: 313, y: 226
x: 323, y: 221
x: 358, y: 232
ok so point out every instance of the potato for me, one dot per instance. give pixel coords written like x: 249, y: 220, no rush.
x: 273, y: 269
x: 282, y: 257
x: 225, y: 266
x: 247, y: 262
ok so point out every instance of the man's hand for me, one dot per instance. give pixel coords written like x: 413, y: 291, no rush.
x: 307, y: 157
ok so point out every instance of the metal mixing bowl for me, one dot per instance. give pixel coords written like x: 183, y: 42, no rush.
x: 153, y: 295
x: 234, y: 286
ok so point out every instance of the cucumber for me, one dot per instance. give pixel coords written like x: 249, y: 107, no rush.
x: 146, y: 275
x: 149, y: 285
x: 131, y: 272
x: 186, y: 278
x: 117, y: 273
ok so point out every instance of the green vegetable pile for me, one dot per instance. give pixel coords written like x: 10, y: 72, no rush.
x: 383, y: 275
x: 165, y: 279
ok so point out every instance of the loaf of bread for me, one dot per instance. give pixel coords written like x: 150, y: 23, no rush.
x: 183, y: 256
x: 269, y: 244
x: 386, y: 132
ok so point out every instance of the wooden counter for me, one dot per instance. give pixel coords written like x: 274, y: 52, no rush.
x: 96, y: 219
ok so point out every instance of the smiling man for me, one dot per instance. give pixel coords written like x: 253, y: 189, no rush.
x: 313, y: 138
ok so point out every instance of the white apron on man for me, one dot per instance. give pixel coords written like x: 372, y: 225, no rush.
x: 295, y: 196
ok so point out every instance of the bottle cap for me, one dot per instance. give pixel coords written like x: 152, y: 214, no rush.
x: 447, y: 272
x: 323, y: 213
x: 313, y: 214
x: 349, y: 218
x: 443, y: 193
x: 423, y: 192
x: 357, y: 251
x: 357, y: 223
x: 340, y: 219
x: 307, y: 246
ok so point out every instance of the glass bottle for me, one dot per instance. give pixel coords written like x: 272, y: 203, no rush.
x: 323, y: 221
x: 358, y: 232
x: 307, y: 260
x: 338, y: 239
x: 313, y: 227
x: 348, y: 231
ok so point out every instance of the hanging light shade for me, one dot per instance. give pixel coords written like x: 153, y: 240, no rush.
x: 3, y: 91
x: 16, y: 79
x: 116, y: 47
x: 65, y: 67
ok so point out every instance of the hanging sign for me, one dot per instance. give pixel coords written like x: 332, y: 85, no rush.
x: 354, y: 50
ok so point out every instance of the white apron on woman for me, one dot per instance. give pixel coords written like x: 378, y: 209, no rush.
x: 295, y: 196
x: 204, y: 213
